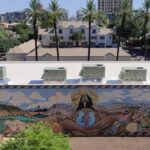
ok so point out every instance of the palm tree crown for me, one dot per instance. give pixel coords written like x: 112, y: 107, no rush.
x: 56, y: 12
x: 89, y: 12
x: 35, y: 7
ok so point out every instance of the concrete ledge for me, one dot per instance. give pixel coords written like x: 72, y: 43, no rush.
x: 110, y: 143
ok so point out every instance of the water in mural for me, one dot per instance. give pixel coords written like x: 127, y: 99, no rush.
x: 77, y: 112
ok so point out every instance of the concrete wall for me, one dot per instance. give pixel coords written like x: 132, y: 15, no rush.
x: 78, y: 110
x: 78, y: 58
x: 15, y: 57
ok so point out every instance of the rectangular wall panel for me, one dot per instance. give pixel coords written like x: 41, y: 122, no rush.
x: 77, y: 110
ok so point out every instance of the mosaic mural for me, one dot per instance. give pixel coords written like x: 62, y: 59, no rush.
x: 77, y: 111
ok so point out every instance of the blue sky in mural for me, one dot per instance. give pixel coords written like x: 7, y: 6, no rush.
x: 49, y: 97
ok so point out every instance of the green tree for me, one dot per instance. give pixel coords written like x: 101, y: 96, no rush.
x: 122, y: 15
x: 35, y: 8
x: 105, y: 21
x: 90, y: 14
x: 77, y: 37
x: 56, y: 13
x: 37, y: 137
x: 45, y: 20
x: 3, y: 34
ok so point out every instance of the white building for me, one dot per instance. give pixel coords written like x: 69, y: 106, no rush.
x: 100, y: 37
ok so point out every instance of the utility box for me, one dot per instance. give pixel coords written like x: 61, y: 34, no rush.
x: 54, y: 74
x: 2, y: 73
x: 96, y: 71
x: 133, y: 74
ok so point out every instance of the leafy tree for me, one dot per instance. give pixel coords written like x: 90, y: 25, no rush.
x: 122, y: 15
x: 56, y: 13
x: 6, y: 44
x: 35, y: 8
x: 37, y: 137
x: 90, y: 14
x: 77, y: 37
x: 105, y: 21
x: 3, y: 34
x: 45, y: 20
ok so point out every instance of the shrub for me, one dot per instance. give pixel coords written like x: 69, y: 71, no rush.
x: 37, y: 137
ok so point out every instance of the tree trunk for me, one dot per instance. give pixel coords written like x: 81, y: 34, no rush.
x: 118, y: 49
x: 56, y: 38
x: 89, y: 46
x: 122, y: 26
x: 145, y: 47
x: 145, y: 40
x: 35, y: 38
x: 77, y: 43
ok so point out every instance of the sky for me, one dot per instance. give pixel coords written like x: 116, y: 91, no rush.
x: 70, y: 5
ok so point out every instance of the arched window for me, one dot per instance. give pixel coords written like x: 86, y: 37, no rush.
x: 82, y: 30
x: 71, y: 30
x: 60, y: 31
x: 94, y: 31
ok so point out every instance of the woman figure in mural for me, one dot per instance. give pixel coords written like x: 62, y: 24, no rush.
x: 88, y: 119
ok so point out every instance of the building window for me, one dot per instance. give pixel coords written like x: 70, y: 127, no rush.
x: 94, y: 37
x: 71, y: 30
x: 94, y: 31
x: 70, y: 37
x: 40, y: 37
x: 60, y: 31
x: 110, y: 37
x: 52, y: 38
x: 102, y: 37
x: 82, y: 31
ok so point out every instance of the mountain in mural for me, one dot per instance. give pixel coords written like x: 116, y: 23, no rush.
x: 10, y: 110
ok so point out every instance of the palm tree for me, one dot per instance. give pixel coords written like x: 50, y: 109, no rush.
x: 77, y: 37
x: 90, y: 14
x: 105, y: 21
x: 146, y: 17
x: 124, y: 12
x: 35, y: 8
x: 56, y: 13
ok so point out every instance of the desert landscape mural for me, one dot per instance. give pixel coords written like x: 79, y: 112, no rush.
x: 78, y: 111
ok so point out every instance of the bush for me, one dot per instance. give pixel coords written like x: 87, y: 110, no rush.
x: 37, y: 137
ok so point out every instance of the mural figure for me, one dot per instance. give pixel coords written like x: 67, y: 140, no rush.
x: 88, y: 119
x: 78, y: 111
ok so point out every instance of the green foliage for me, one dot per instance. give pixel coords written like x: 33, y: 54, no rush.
x: 3, y: 34
x: 77, y: 37
x: 25, y: 33
x: 55, y: 11
x: 6, y: 44
x: 45, y: 19
x: 37, y: 137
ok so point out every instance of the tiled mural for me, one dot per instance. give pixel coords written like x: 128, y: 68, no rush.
x: 77, y: 111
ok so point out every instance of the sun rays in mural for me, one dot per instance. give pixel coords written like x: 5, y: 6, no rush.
x: 76, y: 96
